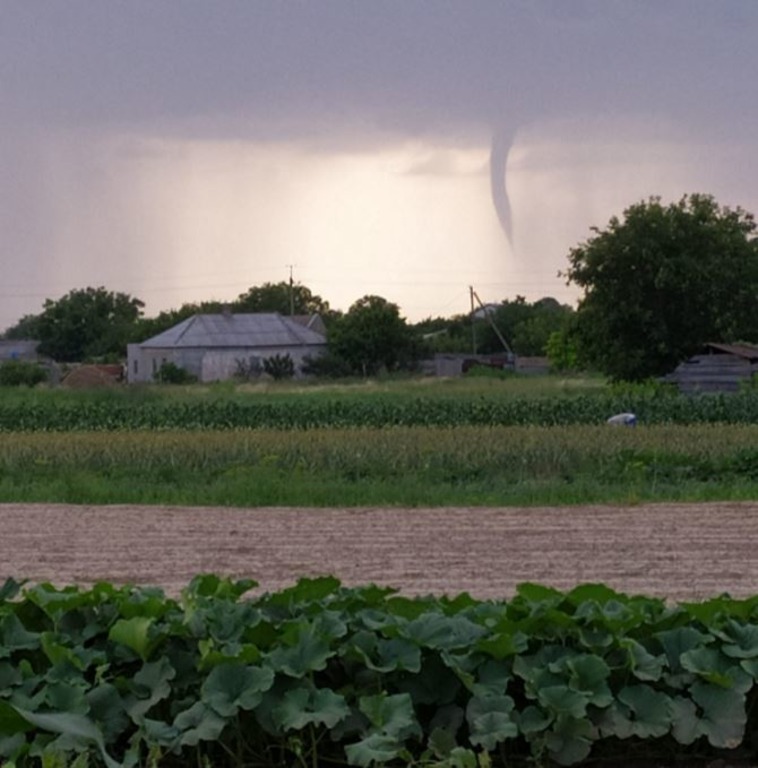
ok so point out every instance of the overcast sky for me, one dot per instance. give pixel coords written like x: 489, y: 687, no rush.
x: 182, y: 151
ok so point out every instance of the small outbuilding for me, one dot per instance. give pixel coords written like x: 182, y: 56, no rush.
x: 221, y: 346
x: 717, y: 368
x: 19, y: 349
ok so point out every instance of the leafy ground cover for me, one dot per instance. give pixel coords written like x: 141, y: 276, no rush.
x: 377, y: 466
x: 319, y: 675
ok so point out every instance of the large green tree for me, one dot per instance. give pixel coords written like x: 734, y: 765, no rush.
x: 372, y: 336
x: 86, y: 324
x: 281, y: 297
x: 525, y: 326
x: 661, y: 282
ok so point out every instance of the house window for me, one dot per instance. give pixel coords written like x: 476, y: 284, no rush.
x: 136, y: 367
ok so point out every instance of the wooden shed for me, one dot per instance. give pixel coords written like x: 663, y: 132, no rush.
x: 717, y: 368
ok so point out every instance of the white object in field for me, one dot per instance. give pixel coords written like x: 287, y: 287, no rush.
x: 623, y: 419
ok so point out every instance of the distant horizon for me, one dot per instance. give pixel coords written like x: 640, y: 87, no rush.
x: 151, y: 315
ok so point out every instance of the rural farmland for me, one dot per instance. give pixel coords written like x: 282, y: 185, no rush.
x: 183, y: 565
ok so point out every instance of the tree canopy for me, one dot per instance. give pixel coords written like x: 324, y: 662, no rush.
x: 663, y: 281
x: 280, y: 297
x: 372, y: 335
x: 526, y: 326
x: 85, y: 324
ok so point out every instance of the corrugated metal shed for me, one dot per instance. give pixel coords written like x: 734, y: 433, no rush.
x: 227, y: 330
x: 718, y: 368
x: 745, y: 351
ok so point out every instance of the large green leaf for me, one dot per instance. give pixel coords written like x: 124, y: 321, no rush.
x: 713, y: 667
x: 490, y: 722
x: 230, y: 687
x: 107, y: 709
x: 12, y: 747
x: 492, y: 678
x: 639, y: 711
x: 72, y: 725
x: 504, y: 641
x: 643, y: 664
x: 385, y: 655
x: 434, y: 630
x: 391, y: 715
x: 563, y: 700
x: 306, y: 590
x: 677, y: 641
x: 597, y: 593
x: 740, y: 640
x: 375, y: 749
x: 10, y: 676
x: 11, y: 722
x: 532, y: 720
x: 198, y: 723
x: 134, y: 633
x: 62, y: 697
x: 685, y: 723
x: 569, y: 740
x: 441, y: 742
x: 151, y: 684
x: 9, y: 589
x: 588, y: 676
x: 723, y: 716
x: 15, y: 637
x: 435, y: 684
x: 308, y: 654
x: 207, y: 585
x: 538, y: 594
x: 546, y: 667
x: 305, y: 706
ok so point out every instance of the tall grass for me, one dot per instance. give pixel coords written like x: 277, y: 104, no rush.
x: 404, y: 466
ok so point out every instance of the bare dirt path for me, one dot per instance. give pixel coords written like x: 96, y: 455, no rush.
x: 681, y: 551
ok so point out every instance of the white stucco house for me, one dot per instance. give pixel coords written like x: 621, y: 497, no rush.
x: 218, y: 347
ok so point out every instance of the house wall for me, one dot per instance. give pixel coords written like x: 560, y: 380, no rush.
x: 143, y: 364
x: 222, y: 364
x: 207, y: 364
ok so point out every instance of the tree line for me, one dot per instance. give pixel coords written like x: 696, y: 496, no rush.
x: 658, y: 283
x: 95, y: 324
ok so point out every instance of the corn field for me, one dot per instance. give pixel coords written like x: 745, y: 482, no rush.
x: 298, y: 412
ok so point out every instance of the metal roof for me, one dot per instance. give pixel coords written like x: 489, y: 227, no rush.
x: 227, y: 330
x: 748, y: 351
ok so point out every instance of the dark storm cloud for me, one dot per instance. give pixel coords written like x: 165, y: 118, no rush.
x: 267, y: 68
x: 76, y: 75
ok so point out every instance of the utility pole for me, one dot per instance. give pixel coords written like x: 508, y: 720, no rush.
x: 488, y: 318
x: 292, y: 291
x: 473, y: 320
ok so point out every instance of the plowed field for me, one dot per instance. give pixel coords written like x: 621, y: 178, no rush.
x: 681, y: 551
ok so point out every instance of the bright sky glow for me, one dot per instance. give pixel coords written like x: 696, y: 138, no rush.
x: 352, y: 142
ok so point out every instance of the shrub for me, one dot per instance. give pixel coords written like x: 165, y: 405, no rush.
x: 171, y: 373
x: 329, y: 365
x: 279, y: 367
x: 21, y: 373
